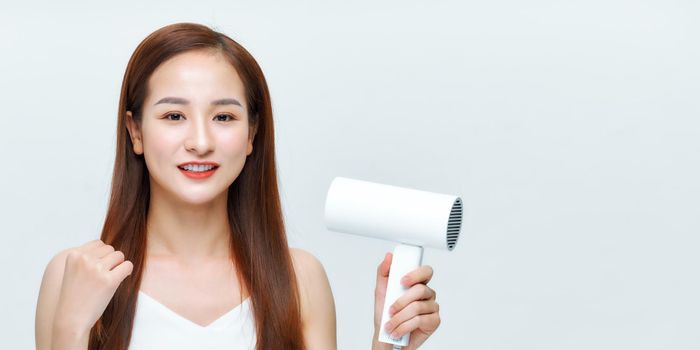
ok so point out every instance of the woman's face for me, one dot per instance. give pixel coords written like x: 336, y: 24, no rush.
x: 195, y: 111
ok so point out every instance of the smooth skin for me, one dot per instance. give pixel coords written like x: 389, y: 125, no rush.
x: 187, y: 227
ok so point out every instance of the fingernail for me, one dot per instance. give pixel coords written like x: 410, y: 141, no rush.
x: 404, y: 280
x: 387, y: 326
x: 395, y: 335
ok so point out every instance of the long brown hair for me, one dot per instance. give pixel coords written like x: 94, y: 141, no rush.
x: 258, y: 240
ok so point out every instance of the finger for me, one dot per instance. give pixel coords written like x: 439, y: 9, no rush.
x: 428, y: 322
x: 122, y: 270
x: 90, y: 245
x: 413, y: 311
x: 101, y: 252
x: 383, y: 269
x: 422, y: 274
x: 417, y: 292
x: 111, y: 260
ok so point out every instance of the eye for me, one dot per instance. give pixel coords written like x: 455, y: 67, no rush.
x: 225, y: 116
x: 176, y: 115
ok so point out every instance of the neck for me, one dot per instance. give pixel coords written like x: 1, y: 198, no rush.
x: 187, y: 232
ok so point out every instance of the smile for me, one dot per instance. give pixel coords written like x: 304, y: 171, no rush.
x: 198, y: 171
x: 197, y: 168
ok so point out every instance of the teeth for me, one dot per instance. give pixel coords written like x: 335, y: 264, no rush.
x: 197, y: 168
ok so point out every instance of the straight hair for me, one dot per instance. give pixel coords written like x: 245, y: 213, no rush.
x: 258, y: 247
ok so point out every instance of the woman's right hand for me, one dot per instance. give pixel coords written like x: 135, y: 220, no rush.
x: 92, y: 274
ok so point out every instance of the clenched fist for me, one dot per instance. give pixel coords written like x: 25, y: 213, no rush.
x: 91, y: 275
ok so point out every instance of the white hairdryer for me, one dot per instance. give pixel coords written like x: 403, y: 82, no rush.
x: 414, y: 218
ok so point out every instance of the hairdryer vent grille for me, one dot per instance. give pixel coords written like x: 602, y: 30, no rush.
x: 454, y: 224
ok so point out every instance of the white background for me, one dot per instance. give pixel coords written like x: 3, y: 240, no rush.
x: 569, y: 128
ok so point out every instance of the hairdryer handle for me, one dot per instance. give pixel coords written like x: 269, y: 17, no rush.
x: 406, y: 258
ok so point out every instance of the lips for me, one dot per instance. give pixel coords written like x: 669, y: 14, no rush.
x: 196, y: 170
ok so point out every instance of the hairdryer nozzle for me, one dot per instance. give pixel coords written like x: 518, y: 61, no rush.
x: 454, y: 224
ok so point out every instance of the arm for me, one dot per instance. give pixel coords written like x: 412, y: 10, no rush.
x: 318, y: 316
x: 48, y: 336
x: 376, y: 344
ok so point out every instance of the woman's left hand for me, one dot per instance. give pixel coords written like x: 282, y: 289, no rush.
x: 416, y: 311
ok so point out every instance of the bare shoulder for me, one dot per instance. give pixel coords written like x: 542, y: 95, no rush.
x: 49, y: 292
x: 311, y: 276
x: 317, y: 304
x: 306, y: 264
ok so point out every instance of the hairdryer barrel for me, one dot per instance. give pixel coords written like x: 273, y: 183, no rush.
x: 393, y: 213
x: 414, y: 218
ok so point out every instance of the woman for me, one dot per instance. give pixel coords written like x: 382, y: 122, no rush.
x: 195, y: 223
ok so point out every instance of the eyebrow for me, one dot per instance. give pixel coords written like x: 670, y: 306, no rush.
x: 182, y: 101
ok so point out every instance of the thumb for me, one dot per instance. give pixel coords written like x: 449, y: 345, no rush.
x: 123, y: 270
x: 383, y: 269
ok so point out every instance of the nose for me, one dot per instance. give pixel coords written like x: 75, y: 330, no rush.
x: 199, y: 138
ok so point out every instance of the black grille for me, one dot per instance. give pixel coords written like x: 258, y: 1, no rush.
x: 454, y: 224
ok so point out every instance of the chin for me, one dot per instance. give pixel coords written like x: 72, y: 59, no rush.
x: 200, y: 198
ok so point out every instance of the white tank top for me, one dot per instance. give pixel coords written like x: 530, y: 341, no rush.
x: 158, y: 327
